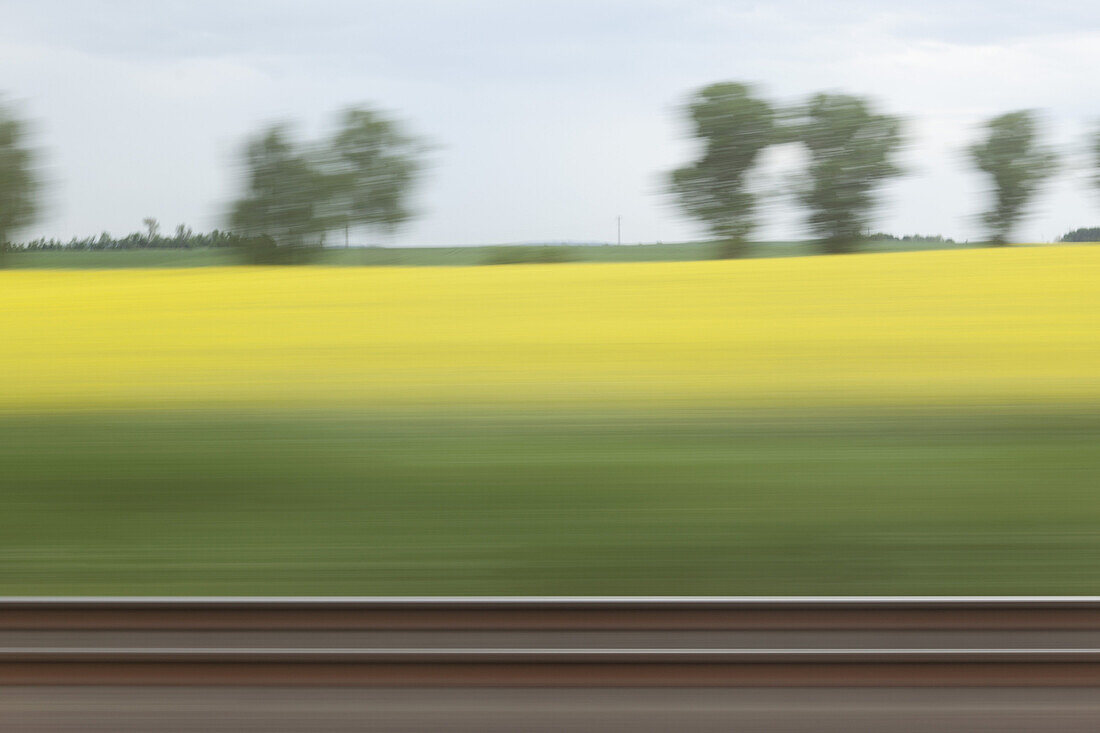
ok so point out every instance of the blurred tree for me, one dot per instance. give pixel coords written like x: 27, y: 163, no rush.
x: 19, y: 184
x: 734, y: 127
x: 1096, y: 157
x: 283, y: 192
x: 294, y: 196
x: 370, y: 166
x: 851, y: 153
x: 152, y: 228
x: 1018, y: 165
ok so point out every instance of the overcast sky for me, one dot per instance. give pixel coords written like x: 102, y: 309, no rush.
x: 549, y: 118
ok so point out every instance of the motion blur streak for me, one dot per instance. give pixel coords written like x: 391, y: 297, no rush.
x: 1013, y: 325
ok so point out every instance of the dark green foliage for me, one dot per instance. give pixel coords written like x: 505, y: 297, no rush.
x: 732, y: 249
x: 296, y: 195
x: 734, y: 127
x: 1017, y: 164
x: 851, y: 150
x: 526, y: 255
x: 184, y: 238
x: 371, y: 167
x: 1090, y: 234
x: 19, y: 184
x: 284, y: 191
x: 263, y: 250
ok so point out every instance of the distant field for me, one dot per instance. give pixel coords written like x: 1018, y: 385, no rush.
x: 900, y: 423
x: 106, y: 259
x: 434, y: 256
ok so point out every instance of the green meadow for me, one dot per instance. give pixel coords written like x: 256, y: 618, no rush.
x: 998, y: 502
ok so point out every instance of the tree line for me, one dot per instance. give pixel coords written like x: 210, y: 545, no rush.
x: 1084, y: 234
x: 298, y: 196
x: 852, y: 150
x: 182, y: 238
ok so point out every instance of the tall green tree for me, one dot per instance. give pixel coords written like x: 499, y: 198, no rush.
x: 284, y: 191
x: 1017, y: 163
x: 851, y: 150
x: 371, y: 166
x: 152, y: 228
x: 734, y: 127
x: 19, y: 183
x: 296, y: 195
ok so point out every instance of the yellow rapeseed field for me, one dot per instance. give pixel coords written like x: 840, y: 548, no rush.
x: 1011, y: 325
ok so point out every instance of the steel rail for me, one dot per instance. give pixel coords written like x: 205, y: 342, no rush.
x: 121, y: 665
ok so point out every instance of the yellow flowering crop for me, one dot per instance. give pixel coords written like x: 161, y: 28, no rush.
x: 1019, y: 325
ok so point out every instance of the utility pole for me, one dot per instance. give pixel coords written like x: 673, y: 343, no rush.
x: 619, y: 221
x: 345, y: 235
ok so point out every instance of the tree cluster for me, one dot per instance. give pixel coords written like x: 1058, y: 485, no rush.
x: 296, y: 195
x: 851, y: 149
x: 1084, y: 234
x: 851, y: 152
x: 734, y: 128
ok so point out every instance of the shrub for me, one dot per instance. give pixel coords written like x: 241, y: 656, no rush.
x: 1084, y: 234
x: 527, y: 255
x: 263, y: 250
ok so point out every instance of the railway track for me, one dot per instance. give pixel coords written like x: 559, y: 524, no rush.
x: 564, y: 642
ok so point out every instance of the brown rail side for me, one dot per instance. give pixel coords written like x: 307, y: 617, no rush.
x: 550, y: 614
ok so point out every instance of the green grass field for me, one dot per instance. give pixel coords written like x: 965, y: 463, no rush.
x: 508, y: 503
x: 430, y: 256
x: 106, y: 259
